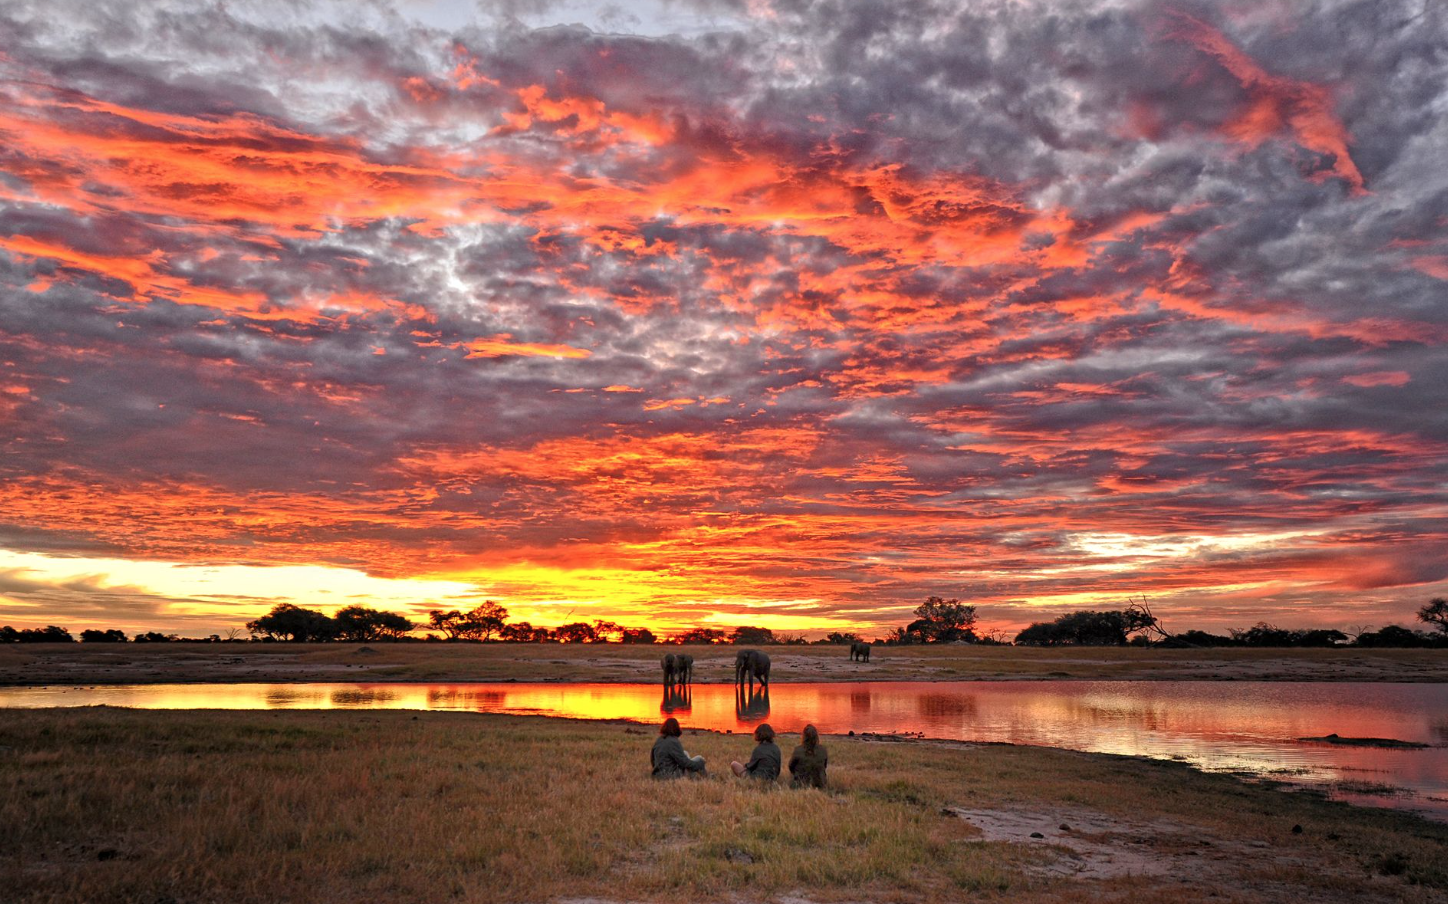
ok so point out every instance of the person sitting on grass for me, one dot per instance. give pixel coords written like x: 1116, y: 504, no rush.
x: 764, y: 762
x: 669, y: 758
x: 809, y: 761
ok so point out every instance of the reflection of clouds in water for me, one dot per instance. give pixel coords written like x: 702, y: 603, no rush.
x: 946, y: 706
x: 352, y: 697
x: 281, y: 698
x: 462, y: 698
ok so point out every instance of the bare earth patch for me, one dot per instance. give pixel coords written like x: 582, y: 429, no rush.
x: 1092, y: 845
x: 72, y: 664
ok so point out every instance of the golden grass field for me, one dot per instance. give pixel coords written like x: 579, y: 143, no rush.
x: 281, y: 662
x: 107, y: 805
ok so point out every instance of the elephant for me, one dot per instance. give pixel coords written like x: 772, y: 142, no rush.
x: 859, y: 651
x: 670, y: 663
x: 753, y: 664
x: 684, y: 668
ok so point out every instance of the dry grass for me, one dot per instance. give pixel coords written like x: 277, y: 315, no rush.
x: 152, y: 663
x: 104, y: 805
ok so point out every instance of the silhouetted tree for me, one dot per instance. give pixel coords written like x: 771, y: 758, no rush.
x: 838, y: 637
x: 575, y: 632
x: 451, y: 623
x: 516, y: 632
x: 1263, y: 634
x: 1087, y: 628
x: 1394, y: 636
x: 362, y: 624
x: 940, y: 620
x: 701, y: 635
x: 523, y: 632
x: 158, y: 637
x: 485, y: 620
x: 48, y: 634
x: 1435, y: 614
x: 637, y: 635
x: 603, y: 630
x: 1040, y: 634
x: 95, y: 635
x: 479, y: 623
x: 287, y: 621
x: 749, y: 636
x: 1196, y: 638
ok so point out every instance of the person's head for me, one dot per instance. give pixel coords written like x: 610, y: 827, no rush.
x: 811, y: 737
x: 763, y: 733
x: 671, y: 728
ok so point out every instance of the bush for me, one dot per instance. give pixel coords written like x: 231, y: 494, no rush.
x: 48, y: 634
x: 1087, y: 628
x: 94, y: 635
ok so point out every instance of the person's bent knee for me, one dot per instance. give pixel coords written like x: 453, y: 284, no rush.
x: 738, y: 768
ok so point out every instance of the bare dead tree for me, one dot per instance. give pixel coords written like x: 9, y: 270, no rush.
x: 1139, y: 612
x: 1356, y: 631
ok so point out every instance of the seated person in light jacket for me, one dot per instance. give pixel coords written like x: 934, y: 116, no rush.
x: 809, y: 761
x: 765, y: 761
x: 669, y: 758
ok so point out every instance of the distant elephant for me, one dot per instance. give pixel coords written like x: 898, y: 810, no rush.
x: 670, y: 663
x: 753, y: 665
x: 684, y: 668
x: 859, y: 651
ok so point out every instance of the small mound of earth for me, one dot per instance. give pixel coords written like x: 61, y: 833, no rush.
x: 1094, y: 845
x: 1392, y: 743
x: 365, y: 651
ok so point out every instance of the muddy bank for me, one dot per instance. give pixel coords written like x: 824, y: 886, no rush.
x: 77, y: 664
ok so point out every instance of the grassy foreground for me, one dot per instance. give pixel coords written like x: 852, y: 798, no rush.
x: 282, y: 662
x: 107, y: 805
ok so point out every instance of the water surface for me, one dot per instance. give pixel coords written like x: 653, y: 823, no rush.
x: 1245, y: 727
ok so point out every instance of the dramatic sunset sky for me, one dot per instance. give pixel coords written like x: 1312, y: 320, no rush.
x: 723, y: 312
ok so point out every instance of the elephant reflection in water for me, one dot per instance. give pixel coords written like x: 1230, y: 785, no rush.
x: 677, y: 698
x: 751, y: 705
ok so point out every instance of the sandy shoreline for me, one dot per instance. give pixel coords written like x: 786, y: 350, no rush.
x: 104, y: 664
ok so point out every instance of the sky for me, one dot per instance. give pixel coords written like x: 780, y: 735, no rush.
x: 714, y: 313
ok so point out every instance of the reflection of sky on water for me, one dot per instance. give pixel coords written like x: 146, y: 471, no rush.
x: 1239, y: 726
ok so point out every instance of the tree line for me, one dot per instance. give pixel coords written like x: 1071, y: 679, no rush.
x: 939, y: 620
x: 936, y: 621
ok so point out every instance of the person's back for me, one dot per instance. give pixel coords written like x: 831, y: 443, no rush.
x: 809, y: 761
x: 764, y: 762
x: 668, y: 757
